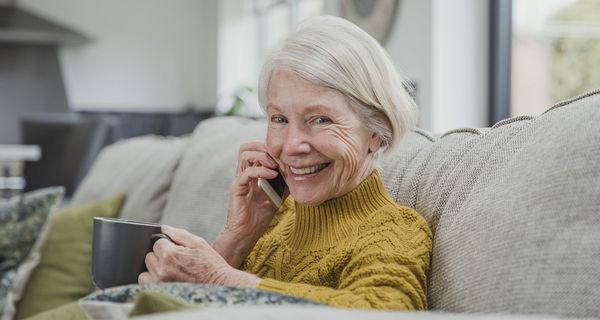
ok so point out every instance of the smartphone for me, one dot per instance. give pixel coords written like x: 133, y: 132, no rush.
x: 274, y: 189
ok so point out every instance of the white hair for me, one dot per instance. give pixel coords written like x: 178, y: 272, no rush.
x: 334, y: 53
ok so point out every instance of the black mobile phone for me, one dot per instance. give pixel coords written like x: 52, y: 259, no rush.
x: 274, y: 189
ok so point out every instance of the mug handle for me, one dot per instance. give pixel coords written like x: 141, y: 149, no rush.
x: 156, y: 236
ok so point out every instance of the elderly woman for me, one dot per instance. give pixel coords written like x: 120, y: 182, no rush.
x: 334, y: 103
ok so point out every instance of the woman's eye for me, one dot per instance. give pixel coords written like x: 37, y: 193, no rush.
x: 322, y: 120
x: 278, y: 119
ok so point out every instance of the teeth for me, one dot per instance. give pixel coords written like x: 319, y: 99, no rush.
x: 308, y: 170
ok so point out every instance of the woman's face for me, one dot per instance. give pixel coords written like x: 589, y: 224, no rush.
x: 320, y: 144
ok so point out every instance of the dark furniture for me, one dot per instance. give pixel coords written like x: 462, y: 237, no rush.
x: 69, y: 144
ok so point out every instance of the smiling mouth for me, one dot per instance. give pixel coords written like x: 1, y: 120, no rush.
x: 309, y: 170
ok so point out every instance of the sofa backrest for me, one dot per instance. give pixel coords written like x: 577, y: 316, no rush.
x: 199, y: 193
x: 515, y: 210
x: 142, y: 167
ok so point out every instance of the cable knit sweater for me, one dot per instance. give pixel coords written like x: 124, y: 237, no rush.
x: 361, y: 250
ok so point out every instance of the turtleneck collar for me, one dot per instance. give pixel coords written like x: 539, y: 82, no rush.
x: 320, y: 227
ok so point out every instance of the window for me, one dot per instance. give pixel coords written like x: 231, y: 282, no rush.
x: 555, y: 52
x: 247, y: 31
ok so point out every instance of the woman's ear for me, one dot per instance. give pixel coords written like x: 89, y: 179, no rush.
x: 374, y: 143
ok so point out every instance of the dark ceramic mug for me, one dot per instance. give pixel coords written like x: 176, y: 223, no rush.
x: 119, y: 250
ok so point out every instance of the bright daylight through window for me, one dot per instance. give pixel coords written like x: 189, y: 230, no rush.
x: 556, y: 45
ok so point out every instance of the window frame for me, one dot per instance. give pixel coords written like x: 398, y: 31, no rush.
x: 500, y: 60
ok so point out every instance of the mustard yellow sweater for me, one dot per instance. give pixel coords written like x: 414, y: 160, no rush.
x: 361, y: 250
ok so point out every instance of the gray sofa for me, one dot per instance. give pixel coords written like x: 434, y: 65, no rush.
x: 515, y: 208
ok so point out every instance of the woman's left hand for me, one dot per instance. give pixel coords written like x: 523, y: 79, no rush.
x: 191, y: 259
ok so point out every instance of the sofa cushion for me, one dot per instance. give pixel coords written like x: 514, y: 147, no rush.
x: 515, y: 213
x: 142, y: 167
x: 64, y: 272
x: 199, y: 195
x: 399, y: 171
x: 24, y: 224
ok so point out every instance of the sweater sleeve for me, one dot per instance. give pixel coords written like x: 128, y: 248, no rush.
x: 387, y: 269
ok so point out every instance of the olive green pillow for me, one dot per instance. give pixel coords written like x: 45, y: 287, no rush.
x: 69, y: 311
x: 64, y: 272
x: 149, y: 301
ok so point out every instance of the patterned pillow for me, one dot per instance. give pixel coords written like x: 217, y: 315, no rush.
x: 23, y: 226
x: 64, y: 272
x: 120, y: 301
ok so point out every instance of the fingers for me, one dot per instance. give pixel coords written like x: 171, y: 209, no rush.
x: 179, y: 236
x: 176, y: 263
x: 145, y: 277
x: 161, y: 261
x: 255, y: 158
x: 152, y: 264
x: 254, y: 173
x: 254, y: 154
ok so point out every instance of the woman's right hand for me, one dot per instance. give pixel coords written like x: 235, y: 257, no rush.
x: 250, y: 211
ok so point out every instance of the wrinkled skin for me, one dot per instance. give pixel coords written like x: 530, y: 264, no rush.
x: 312, y: 125
x: 322, y: 148
x: 190, y: 259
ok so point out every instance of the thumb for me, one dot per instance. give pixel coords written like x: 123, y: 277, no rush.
x: 182, y: 237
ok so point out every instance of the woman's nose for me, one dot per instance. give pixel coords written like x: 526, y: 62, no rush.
x: 295, y: 142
